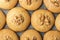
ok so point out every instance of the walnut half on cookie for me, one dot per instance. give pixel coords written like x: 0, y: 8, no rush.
x: 7, y: 34
x: 52, y: 5
x: 42, y: 20
x: 30, y: 35
x: 52, y: 35
x: 18, y: 19
x: 7, y: 4
x: 30, y: 4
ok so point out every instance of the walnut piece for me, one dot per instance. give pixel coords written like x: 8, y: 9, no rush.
x: 7, y: 0
x: 34, y: 38
x: 56, y: 2
x: 44, y: 20
x: 56, y: 38
x: 18, y: 19
x: 8, y: 38
x: 29, y: 2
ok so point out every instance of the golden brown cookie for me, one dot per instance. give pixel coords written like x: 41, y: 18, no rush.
x: 52, y: 5
x: 7, y: 34
x: 30, y: 4
x: 7, y: 4
x: 2, y: 19
x: 42, y: 20
x: 18, y: 19
x: 52, y: 35
x: 57, y: 22
x: 30, y: 35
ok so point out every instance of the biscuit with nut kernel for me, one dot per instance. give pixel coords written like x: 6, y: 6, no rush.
x: 42, y: 20
x: 30, y: 4
x: 52, y: 35
x: 7, y: 4
x: 18, y: 19
x: 52, y: 5
x: 30, y: 35
x: 7, y: 34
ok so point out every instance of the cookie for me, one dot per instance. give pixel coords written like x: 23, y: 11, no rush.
x: 18, y: 19
x: 52, y: 35
x: 30, y: 4
x: 7, y: 4
x: 57, y: 22
x: 42, y: 20
x: 2, y: 19
x: 52, y: 5
x: 30, y: 35
x: 7, y: 34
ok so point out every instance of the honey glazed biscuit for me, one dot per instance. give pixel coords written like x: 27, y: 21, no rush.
x: 7, y: 4
x: 18, y: 19
x: 30, y: 4
x: 6, y: 34
x: 52, y: 35
x: 42, y: 20
x: 57, y: 22
x: 30, y: 35
x: 52, y: 5
x: 2, y: 19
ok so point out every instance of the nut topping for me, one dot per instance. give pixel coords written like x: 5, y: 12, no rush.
x: 44, y: 19
x: 18, y: 19
x: 34, y: 38
x: 56, y: 38
x: 29, y: 2
x: 28, y: 39
x: 7, y: 0
x: 8, y: 38
x: 56, y: 2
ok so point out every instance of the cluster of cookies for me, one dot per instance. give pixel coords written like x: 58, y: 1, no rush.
x: 18, y: 20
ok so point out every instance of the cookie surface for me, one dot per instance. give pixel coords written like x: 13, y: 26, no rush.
x: 18, y: 19
x: 30, y: 35
x: 30, y: 4
x: 52, y: 5
x: 42, y: 20
x: 52, y: 35
x: 57, y: 22
x: 2, y: 19
x: 7, y: 34
x: 7, y: 4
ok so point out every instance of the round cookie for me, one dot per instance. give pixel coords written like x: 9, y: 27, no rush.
x: 30, y: 4
x: 7, y: 34
x: 42, y: 20
x: 52, y: 35
x: 30, y: 35
x: 7, y: 4
x: 52, y: 5
x: 18, y: 19
x: 2, y: 19
x: 57, y: 22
